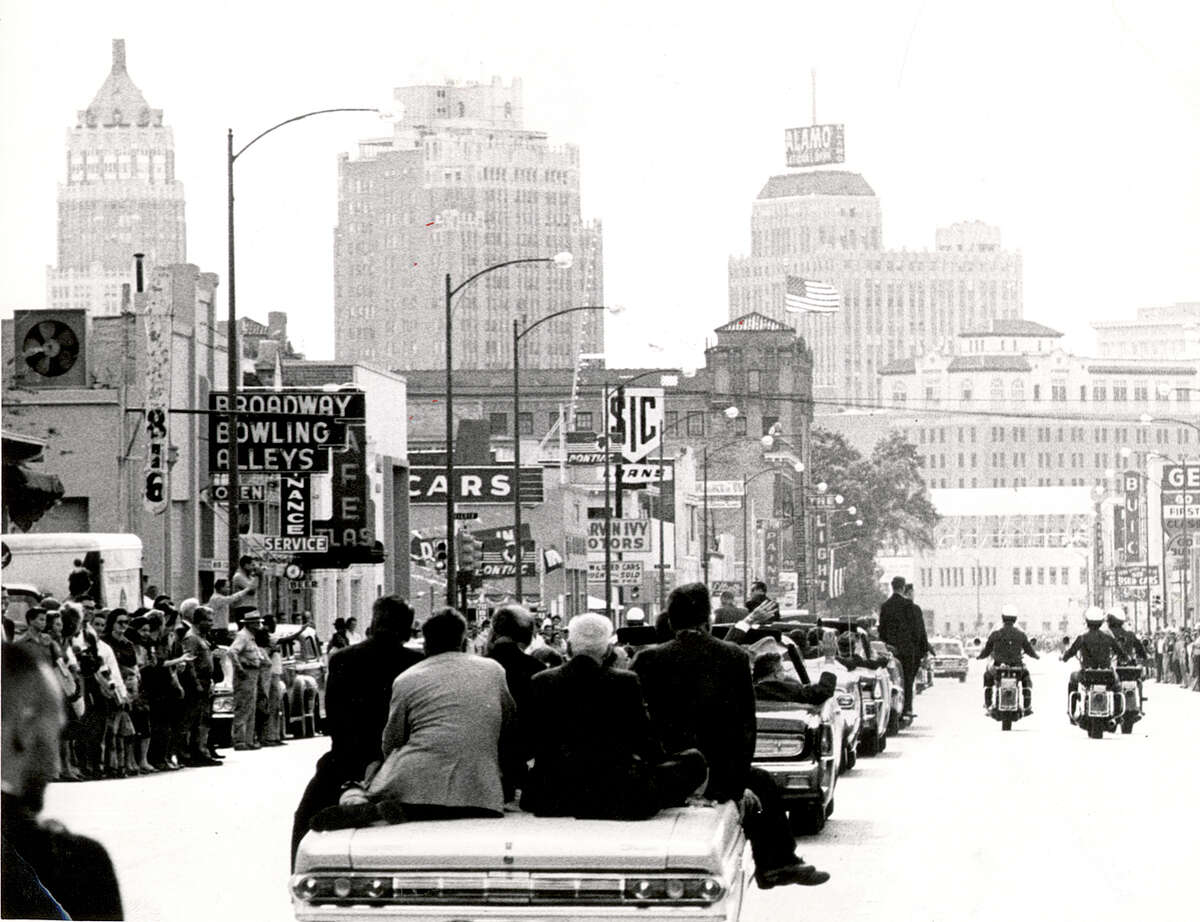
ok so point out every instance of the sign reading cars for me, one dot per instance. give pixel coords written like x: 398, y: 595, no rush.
x: 624, y: 572
x: 489, y: 485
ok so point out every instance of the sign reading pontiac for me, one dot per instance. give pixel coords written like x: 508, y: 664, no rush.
x: 815, y: 145
x: 489, y: 485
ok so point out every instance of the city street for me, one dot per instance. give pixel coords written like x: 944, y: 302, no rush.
x: 956, y: 820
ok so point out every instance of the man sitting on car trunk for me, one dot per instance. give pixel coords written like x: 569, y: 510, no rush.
x: 593, y: 729
x: 701, y: 695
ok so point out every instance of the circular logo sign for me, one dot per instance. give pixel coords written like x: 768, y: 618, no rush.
x: 293, y: 571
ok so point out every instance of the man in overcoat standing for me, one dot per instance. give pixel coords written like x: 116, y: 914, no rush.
x: 902, y: 627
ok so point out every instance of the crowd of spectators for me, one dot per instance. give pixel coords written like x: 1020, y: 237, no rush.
x: 1174, y: 656
x: 138, y: 686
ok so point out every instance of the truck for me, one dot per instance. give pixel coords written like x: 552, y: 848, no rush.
x: 46, y: 560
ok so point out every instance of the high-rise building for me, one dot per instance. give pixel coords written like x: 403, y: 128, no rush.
x: 1171, y: 331
x: 120, y: 197
x: 826, y: 226
x: 459, y: 186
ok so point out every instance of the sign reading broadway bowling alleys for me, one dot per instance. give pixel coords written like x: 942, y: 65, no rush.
x: 284, y: 431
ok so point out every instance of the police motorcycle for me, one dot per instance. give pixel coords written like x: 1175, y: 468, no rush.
x: 1096, y: 704
x: 1129, y: 673
x: 1007, y: 699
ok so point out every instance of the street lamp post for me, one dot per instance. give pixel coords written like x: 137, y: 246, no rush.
x: 234, y: 360
x: 560, y: 260
x: 746, y: 481
x: 517, y: 335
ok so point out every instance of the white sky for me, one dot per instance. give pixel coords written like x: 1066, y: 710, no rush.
x: 1074, y: 125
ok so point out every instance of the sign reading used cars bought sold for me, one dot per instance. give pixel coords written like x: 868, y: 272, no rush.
x: 624, y: 572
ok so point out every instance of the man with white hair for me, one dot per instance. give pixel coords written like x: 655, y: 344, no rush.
x: 595, y: 752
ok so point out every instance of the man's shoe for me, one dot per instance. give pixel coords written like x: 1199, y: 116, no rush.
x: 242, y: 747
x: 215, y: 754
x: 345, y: 816
x: 803, y: 874
x: 254, y: 745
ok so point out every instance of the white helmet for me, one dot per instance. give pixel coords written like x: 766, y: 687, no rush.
x: 1008, y: 612
x: 1094, y: 615
x: 1116, y: 613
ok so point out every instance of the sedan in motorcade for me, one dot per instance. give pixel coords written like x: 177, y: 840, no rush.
x: 303, y: 695
x: 949, y: 658
x: 683, y: 863
x: 874, y: 686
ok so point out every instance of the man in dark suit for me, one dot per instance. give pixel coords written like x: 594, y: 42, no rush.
x: 512, y: 633
x: 902, y: 627
x: 47, y: 873
x: 701, y: 696
x: 595, y: 752
x: 358, y: 691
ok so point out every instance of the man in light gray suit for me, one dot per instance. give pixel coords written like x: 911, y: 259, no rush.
x: 450, y: 728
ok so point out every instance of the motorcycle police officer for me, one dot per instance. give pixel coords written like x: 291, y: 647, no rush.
x: 1096, y: 651
x: 1134, y: 649
x: 1005, y: 647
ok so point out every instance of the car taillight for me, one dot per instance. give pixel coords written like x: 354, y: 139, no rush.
x: 845, y: 701
x: 541, y: 889
x: 778, y: 746
x: 826, y: 741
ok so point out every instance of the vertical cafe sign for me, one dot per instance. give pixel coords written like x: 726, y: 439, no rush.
x: 157, y: 323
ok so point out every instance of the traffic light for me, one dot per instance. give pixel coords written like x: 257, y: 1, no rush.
x: 466, y: 546
x: 439, y: 555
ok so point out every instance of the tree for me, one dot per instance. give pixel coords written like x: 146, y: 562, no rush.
x: 891, y: 500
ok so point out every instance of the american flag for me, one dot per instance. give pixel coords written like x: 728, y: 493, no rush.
x: 811, y: 297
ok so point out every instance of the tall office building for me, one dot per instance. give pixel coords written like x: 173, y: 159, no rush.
x: 826, y: 225
x: 120, y: 197
x: 459, y: 186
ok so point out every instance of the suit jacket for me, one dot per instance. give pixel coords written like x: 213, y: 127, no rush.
x: 75, y: 870
x: 902, y: 625
x: 701, y: 695
x: 593, y: 744
x: 519, y: 668
x: 357, y: 691
x: 442, y: 741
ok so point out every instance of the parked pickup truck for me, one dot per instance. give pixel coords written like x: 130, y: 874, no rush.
x: 684, y: 863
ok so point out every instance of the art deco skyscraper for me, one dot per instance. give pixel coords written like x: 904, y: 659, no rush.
x: 120, y: 197
x: 461, y: 185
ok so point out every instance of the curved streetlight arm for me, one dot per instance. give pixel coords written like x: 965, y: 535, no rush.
x: 294, y: 118
x: 510, y: 262
x: 569, y: 310
x: 1173, y: 421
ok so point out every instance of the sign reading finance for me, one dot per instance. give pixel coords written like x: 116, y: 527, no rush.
x: 624, y: 572
x: 815, y: 145
x: 626, y: 535
x: 490, y: 485
x: 295, y: 505
x: 634, y: 418
x: 284, y: 431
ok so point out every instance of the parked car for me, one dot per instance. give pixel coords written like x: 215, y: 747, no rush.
x: 949, y: 658
x: 874, y: 687
x: 685, y: 862
x: 304, y: 673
